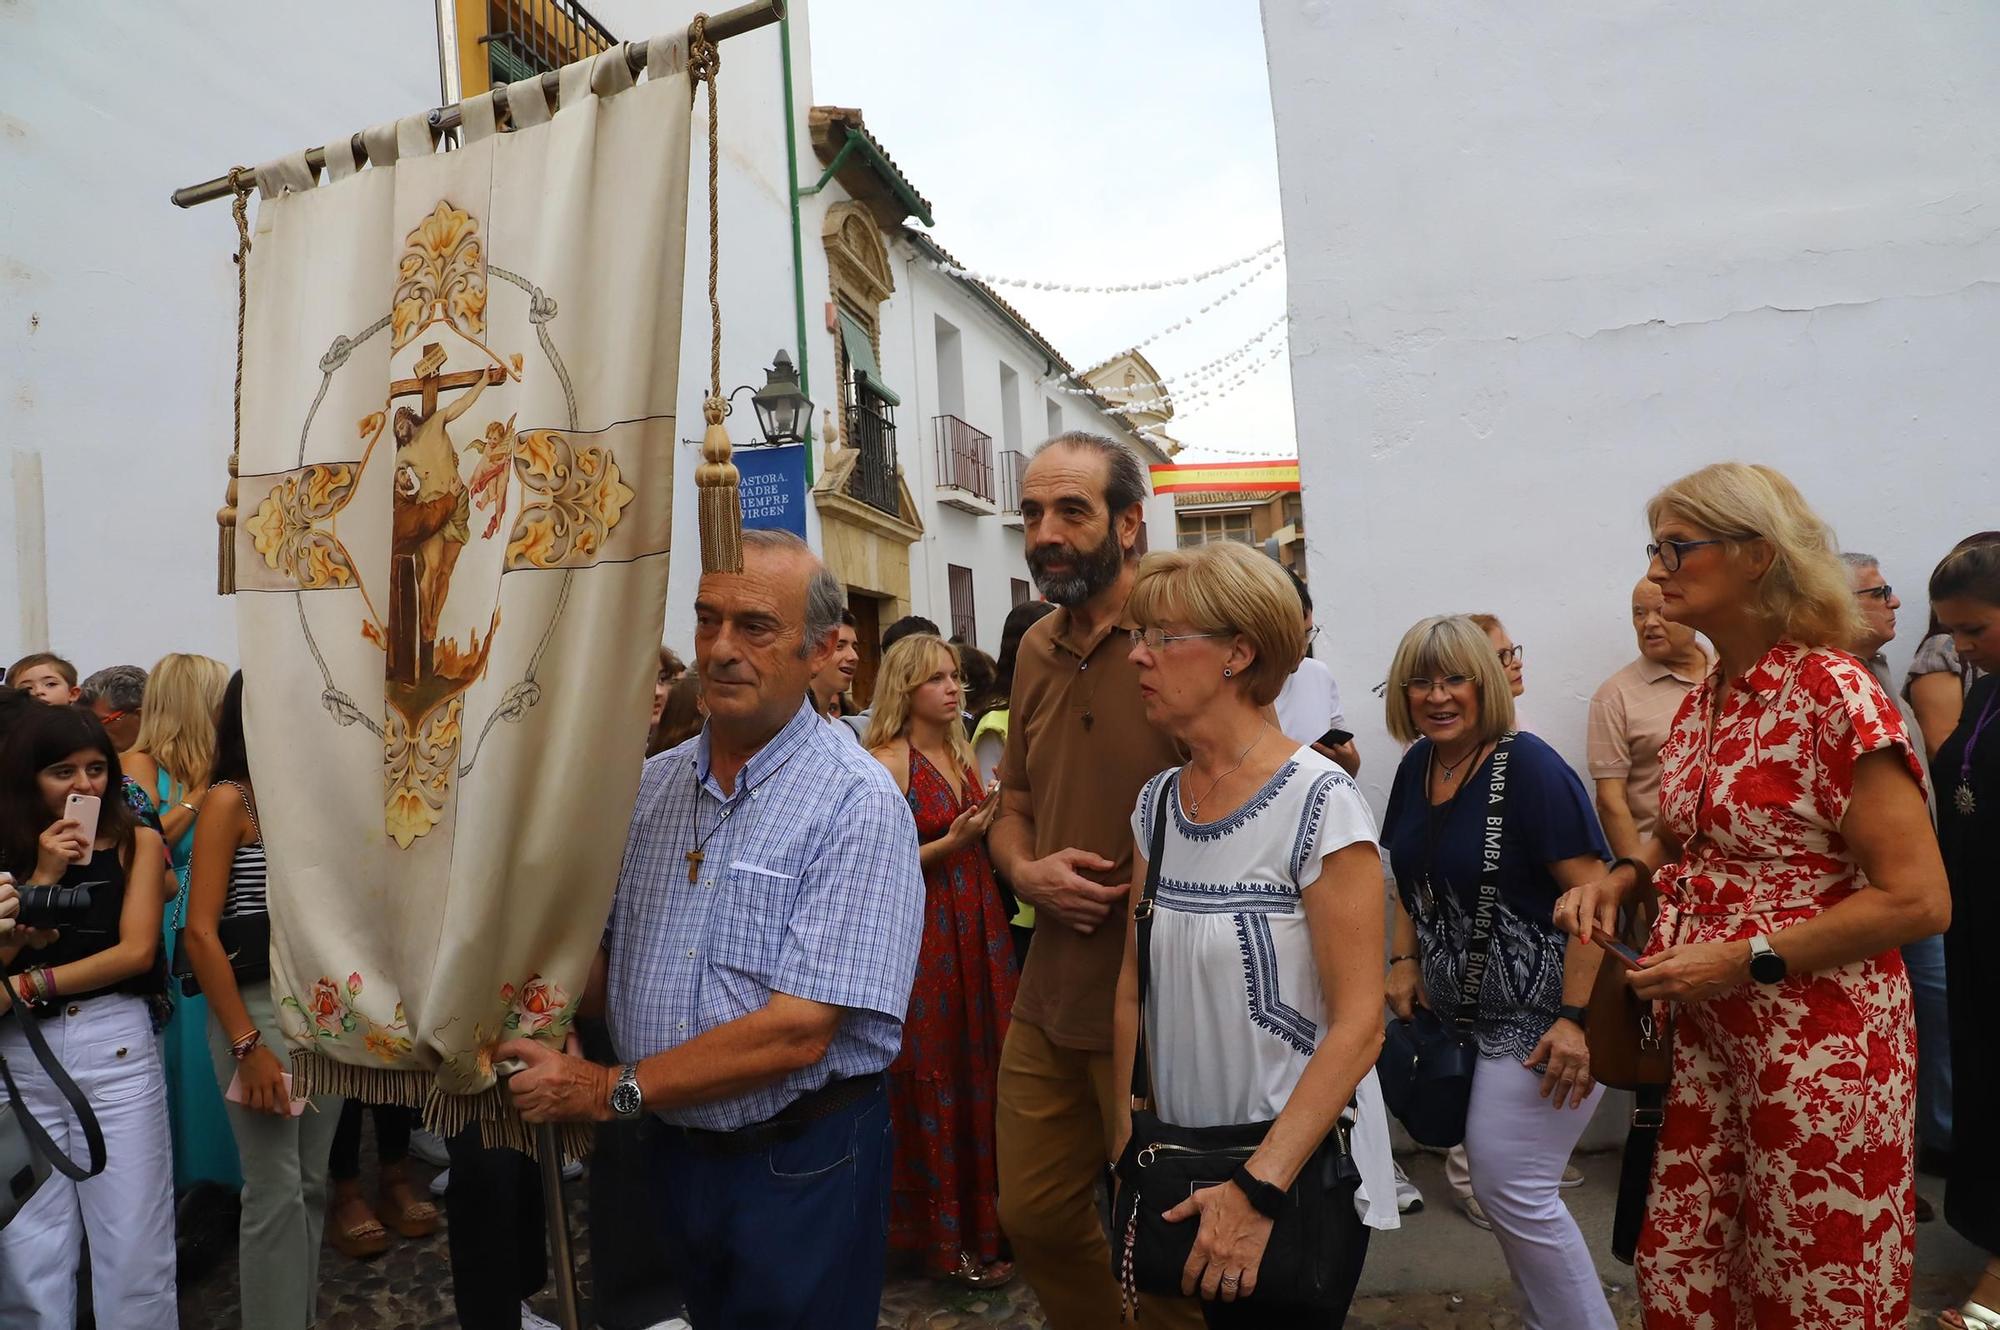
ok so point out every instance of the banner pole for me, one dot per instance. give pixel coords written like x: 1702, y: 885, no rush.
x: 548, y: 1153
x: 729, y: 23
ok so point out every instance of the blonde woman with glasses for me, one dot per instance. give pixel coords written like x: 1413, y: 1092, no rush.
x: 1532, y: 1092
x: 944, y: 1183
x: 170, y: 761
x: 1793, y: 856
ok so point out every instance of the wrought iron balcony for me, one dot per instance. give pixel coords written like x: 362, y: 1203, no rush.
x: 964, y: 465
x: 1013, y: 470
x: 872, y: 432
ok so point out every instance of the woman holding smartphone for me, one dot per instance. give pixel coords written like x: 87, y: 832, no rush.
x: 1793, y: 856
x: 87, y: 980
x: 284, y: 1156
x: 945, y: 1186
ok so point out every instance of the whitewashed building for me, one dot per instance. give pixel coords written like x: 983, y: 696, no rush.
x: 1544, y: 259
x: 117, y: 310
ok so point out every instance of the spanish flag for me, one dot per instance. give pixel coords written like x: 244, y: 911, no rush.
x: 1280, y: 475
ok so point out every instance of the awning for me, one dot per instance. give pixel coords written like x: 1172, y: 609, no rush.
x: 861, y: 358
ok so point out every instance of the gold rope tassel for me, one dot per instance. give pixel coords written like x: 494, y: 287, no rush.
x: 720, y: 510
x: 225, y: 518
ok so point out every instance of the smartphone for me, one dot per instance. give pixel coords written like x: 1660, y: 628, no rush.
x: 1626, y: 956
x: 82, y: 809
x: 1334, y: 738
x: 234, y: 1094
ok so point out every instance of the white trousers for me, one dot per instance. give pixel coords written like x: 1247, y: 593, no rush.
x: 1517, y: 1146
x: 106, y: 1045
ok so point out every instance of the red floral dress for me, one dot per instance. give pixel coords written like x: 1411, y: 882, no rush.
x: 945, y: 1186
x: 1783, y: 1190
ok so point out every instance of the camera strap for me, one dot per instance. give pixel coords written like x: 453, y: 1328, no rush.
x: 37, y: 1135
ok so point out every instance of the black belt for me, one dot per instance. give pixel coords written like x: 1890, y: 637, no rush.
x: 786, y: 1124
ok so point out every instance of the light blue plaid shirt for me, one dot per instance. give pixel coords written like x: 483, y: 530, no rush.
x: 810, y: 887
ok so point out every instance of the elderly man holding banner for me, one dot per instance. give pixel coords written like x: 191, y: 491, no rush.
x: 755, y: 972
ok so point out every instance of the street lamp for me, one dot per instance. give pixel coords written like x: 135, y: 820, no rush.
x: 784, y: 412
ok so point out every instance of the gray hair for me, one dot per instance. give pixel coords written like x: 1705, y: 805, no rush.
x: 1124, y: 475
x: 1859, y: 561
x: 123, y: 687
x: 826, y: 599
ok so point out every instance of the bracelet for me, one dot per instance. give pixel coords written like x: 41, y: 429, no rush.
x: 1640, y: 873
x: 190, y: 807
x: 1407, y: 956
x: 45, y: 981
x: 244, y: 1047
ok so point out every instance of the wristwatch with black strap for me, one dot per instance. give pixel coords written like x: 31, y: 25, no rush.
x: 1266, y: 1198
x: 1577, y: 1016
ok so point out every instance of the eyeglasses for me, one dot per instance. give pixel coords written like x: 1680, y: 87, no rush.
x: 1881, y: 593
x: 1671, y: 552
x: 1422, y: 687
x: 1312, y: 636
x: 110, y: 716
x: 1511, y: 655
x: 1153, y: 639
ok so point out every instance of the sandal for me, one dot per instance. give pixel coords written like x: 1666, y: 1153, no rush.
x: 1001, y: 1273
x: 410, y: 1216
x: 361, y: 1238
x: 1970, y: 1316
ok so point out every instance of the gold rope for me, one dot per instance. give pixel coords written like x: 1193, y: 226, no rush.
x: 720, y: 510
x: 225, y: 518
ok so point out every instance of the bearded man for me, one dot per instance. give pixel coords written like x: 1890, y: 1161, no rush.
x: 1078, y: 751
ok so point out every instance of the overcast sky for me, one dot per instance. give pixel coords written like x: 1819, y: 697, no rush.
x: 1088, y: 143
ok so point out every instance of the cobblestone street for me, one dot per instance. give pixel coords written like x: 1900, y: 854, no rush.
x: 1437, y: 1271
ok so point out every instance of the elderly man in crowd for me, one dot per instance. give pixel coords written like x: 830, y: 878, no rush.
x: 755, y: 971
x: 1924, y: 959
x: 1630, y: 715
x: 116, y: 693
x: 1078, y: 750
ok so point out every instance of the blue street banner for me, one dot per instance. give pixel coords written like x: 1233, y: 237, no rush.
x: 773, y: 486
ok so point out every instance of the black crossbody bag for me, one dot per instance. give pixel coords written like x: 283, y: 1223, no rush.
x: 1426, y: 1066
x: 245, y: 939
x: 1305, y: 1260
x: 26, y: 1150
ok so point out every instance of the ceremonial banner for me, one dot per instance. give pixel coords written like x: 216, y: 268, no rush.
x: 455, y: 495
x: 1277, y: 475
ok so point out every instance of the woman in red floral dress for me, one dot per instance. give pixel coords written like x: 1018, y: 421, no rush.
x: 1798, y: 856
x: 944, y: 1186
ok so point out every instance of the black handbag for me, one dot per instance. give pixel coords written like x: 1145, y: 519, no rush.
x: 1426, y: 1065
x: 26, y: 1150
x: 1309, y: 1262
x: 245, y: 939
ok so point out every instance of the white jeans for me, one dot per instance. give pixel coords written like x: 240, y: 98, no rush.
x: 127, y: 1211
x: 1517, y: 1146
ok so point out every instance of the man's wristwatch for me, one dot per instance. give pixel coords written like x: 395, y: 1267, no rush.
x: 626, y: 1101
x: 1766, y: 965
x: 1576, y: 1016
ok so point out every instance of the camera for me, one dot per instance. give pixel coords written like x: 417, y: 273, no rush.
x: 54, y: 906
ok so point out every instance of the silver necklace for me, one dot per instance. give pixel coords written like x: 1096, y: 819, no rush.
x: 1194, y: 805
x: 1449, y: 767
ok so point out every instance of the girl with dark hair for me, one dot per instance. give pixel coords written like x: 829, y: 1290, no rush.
x: 88, y: 981
x: 1938, y: 679
x: 1965, y: 772
x: 284, y: 1156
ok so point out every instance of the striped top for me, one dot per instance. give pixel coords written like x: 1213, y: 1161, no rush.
x: 246, y: 883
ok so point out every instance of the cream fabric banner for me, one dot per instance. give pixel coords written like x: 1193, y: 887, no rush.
x: 455, y: 497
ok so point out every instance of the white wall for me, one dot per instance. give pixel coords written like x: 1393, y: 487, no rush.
x: 118, y: 310
x: 1545, y: 259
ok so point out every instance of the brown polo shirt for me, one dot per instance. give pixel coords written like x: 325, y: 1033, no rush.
x: 1079, y: 747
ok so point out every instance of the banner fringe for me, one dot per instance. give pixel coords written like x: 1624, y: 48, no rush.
x: 446, y: 1114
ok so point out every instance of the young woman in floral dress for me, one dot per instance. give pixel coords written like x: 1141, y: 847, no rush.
x: 944, y: 1200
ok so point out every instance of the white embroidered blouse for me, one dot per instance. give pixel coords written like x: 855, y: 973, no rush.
x: 1235, y: 1006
